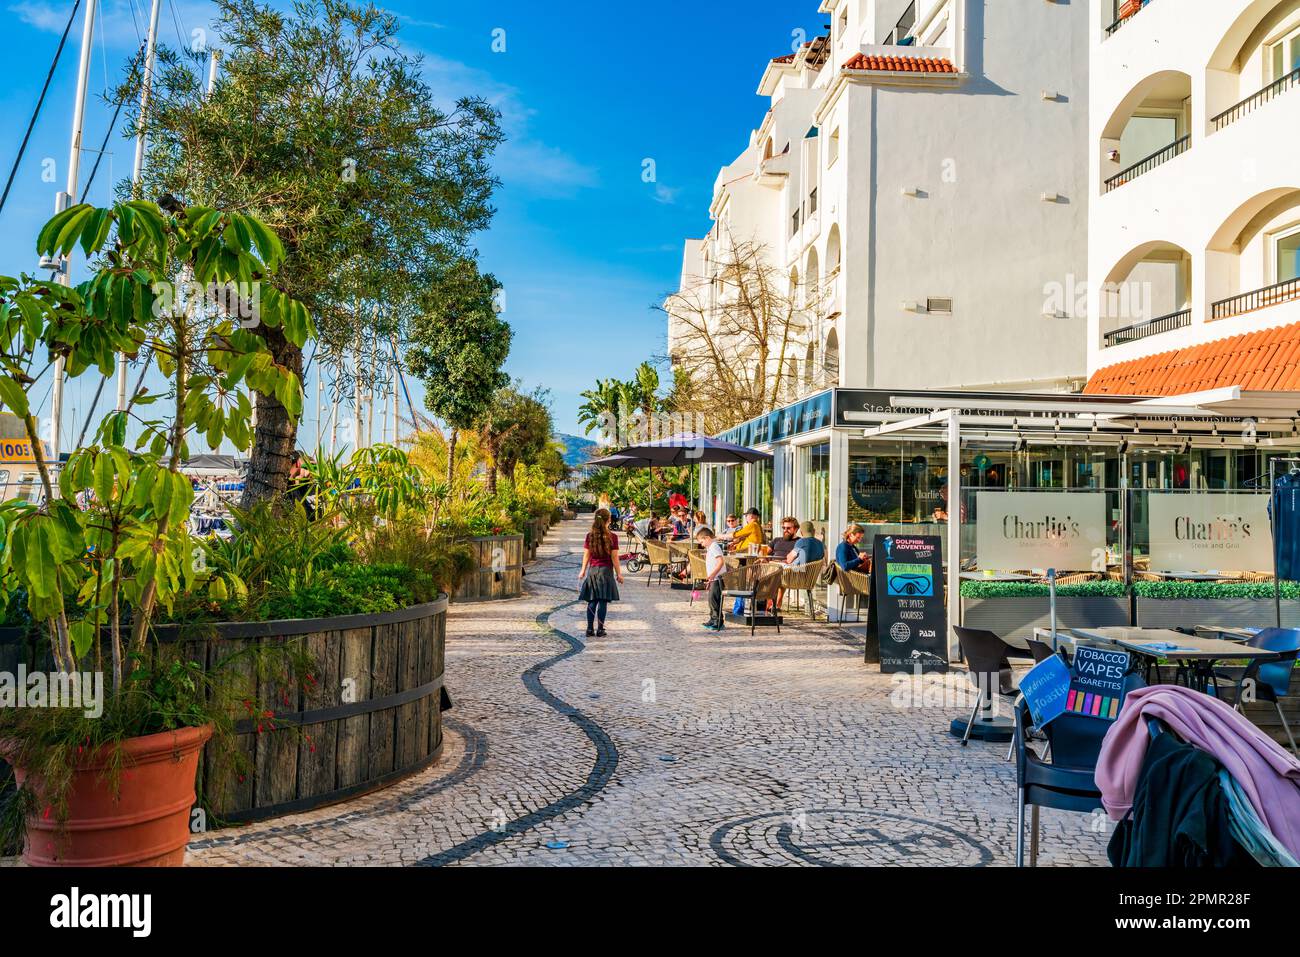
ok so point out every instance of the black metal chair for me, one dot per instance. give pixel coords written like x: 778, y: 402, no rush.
x: 1067, y: 782
x: 987, y: 657
x: 1270, y: 678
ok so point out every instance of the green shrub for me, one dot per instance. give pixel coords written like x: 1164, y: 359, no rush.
x: 1175, y: 590
x: 996, y: 589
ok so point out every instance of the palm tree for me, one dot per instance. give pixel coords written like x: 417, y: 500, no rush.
x: 604, y: 405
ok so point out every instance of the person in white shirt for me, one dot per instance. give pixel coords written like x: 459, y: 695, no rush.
x: 715, y: 566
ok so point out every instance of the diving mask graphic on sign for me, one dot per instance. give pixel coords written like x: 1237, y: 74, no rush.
x: 909, y: 580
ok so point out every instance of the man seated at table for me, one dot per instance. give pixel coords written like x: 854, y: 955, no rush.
x: 783, y: 544
x: 751, y: 533
x: 807, y: 548
x: 728, y: 533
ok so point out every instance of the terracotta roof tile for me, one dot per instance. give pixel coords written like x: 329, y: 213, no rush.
x: 1268, y: 360
x: 900, y: 64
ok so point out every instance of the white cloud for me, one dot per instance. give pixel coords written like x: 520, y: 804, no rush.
x: 523, y: 160
x: 666, y: 194
x: 120, y: 23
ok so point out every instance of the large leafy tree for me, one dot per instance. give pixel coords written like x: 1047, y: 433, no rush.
x: 324, y: 128
x: 458, y: 345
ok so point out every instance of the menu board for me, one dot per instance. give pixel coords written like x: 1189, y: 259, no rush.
x: 907, y: 615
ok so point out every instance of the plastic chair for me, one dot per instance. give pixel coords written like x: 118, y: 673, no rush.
x: 1271, y: 677
x: 1067, y: 782
x: 1040, y: 651
x: 987, y: 657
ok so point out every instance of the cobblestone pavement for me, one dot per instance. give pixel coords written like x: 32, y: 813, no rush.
x: 665, y: 744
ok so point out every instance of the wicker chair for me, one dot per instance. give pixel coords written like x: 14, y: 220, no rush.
x: 855, y: 585
x: 660, y: 559
x: 698, y: 570
x: 1077, y: 579
x: 804, y: 578
x: 761, y: 584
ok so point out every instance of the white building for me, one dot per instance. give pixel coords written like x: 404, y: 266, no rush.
x: 954, y: 393
x: 1194, y: 221
x: 919, y: 175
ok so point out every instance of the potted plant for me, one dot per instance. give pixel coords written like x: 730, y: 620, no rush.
x: 109, y: 546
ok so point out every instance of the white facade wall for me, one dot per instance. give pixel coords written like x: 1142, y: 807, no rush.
x: 1223, y: 201
x: 977, y: 152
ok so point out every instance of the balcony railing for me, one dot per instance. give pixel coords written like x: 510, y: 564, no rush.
x: 1158, y: 158
x: 1124, y: 18
x: 1152, y: 327
x: 1255, y: 101
x: 1258, y: 299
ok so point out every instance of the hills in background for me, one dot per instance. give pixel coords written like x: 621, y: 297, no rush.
x: 576, y: 448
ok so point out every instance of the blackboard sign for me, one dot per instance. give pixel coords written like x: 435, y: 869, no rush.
x: 1097, y: 682
x: 907, y: 615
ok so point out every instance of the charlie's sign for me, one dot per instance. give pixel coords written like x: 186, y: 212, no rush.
x: 1060, y: 530
x: 1209, y: 531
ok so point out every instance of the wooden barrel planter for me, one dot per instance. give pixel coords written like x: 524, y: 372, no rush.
x: 15, y: 649
x: 372, y: 716
x: 499, y: 569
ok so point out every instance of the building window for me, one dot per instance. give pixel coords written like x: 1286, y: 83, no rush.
x: 1285, y: 56
x: 794, y: 223
x: 844, y: 22
x: 1286, y: 259
x: 833, y: 149
x: 816, y: 470
x: 941, y: 306
x: 812, y: 202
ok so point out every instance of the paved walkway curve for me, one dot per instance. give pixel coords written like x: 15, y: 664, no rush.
x: 664, y: 744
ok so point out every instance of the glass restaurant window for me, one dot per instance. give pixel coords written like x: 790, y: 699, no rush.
x: 815, y: 466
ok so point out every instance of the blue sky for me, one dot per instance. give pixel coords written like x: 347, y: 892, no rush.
x: 588, y: 92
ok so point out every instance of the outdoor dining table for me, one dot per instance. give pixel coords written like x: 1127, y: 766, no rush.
x: 997, y: 577
x: 1195, y: 656
x: 1192, y: 576
x: 1227, y: 632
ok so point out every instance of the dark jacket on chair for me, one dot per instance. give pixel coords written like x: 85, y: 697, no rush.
x: 1180, y: 814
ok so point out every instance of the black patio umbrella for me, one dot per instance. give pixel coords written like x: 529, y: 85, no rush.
x: 684, y: 448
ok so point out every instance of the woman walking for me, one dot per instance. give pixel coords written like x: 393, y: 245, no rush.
x: 600, y: 574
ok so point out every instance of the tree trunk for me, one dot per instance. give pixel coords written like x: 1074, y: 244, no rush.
x: 276, y: 434
x: 451, y: 460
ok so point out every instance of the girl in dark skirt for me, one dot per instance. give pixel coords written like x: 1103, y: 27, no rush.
x: 600, y: 574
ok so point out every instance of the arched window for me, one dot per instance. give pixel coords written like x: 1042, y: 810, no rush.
x: 831, y: 360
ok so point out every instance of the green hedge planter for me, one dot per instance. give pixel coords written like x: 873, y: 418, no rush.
x: 994, y: 589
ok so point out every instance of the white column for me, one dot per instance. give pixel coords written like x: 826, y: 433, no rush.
x: 837, y: 514
x: 954, y: 531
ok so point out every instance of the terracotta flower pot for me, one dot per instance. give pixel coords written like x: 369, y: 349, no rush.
x: 145, y: 824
